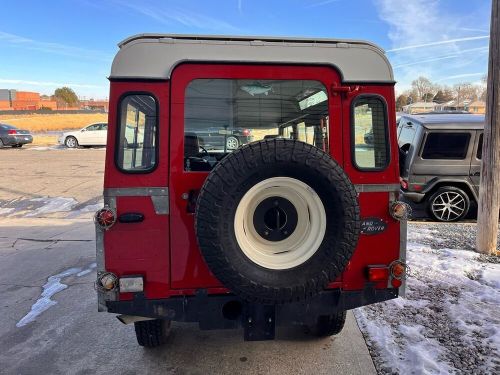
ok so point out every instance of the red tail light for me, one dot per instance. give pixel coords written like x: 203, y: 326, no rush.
x: 378, y: 273
x: 12, y: 131
x: 105, y: 218
x: 404, y: 184
x: 246, y: 132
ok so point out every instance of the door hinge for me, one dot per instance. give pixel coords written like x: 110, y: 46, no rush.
x: 344, y: 90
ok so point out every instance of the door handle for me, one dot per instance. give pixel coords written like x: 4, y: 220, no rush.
x: 475, y: 174
x: 131, y: 217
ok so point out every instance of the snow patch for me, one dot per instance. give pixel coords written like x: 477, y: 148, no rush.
x: 449, y: 321
x: 51, y: 205
x: 51, y: 287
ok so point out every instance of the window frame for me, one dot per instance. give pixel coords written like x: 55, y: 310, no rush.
x: 121, y: 99
x: 386, y: 133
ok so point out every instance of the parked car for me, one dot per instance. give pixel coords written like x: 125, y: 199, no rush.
x: 368, y: 137
x: 216, y: 137
x: 254, y: 236
x: 91, y: 135
x: 440, y: 162
x: 14, y: 137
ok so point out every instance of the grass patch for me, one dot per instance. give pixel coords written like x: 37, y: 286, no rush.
x: 39, y: 123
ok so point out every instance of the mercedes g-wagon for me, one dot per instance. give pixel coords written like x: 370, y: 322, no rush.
x: 440, y: 160
x: 296, y: 225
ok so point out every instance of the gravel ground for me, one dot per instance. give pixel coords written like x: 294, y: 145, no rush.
x: 448, y: 235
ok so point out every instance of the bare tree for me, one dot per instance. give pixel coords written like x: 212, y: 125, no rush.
x: 465, y: 91
x: 423, y: 86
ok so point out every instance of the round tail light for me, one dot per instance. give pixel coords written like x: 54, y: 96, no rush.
x: 400, y: 210
x: 105, y: 218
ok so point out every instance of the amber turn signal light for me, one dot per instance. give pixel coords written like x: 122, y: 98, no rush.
x: 400, y: 210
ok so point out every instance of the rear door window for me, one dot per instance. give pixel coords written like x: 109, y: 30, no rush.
x: 222, y: 115
x: 137, y: 134
x: 446, y: 145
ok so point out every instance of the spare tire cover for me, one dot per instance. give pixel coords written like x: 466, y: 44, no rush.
x: 277, y: 221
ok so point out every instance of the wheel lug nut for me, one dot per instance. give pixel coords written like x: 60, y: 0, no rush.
x: 266, y: 233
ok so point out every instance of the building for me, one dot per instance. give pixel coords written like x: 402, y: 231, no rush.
x: 477, y: 107
x: 33, y: 101
x: 419, y: 107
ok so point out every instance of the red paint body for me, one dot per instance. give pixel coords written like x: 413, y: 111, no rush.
x: 163, y: 248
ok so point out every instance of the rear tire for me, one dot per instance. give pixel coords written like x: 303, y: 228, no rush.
x: 71, y: 142
x: 152, y: 333
x: 448, y: 204
x: 329, y: 325
x: 277, y: 221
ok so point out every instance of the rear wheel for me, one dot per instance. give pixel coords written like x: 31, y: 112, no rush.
x: 232, y: 143
x: 448, y: 204
x: 329, y: 325
x: 71, y: 142
x: 152, y: 333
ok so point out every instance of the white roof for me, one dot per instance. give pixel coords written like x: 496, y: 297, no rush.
x: 154, y: 56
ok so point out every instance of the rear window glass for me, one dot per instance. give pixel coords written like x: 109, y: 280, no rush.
x: 370, y: 133
x: 137, y: 133
x: 479, y: 154
x: 406, y: 134
x: 446, y: 146
x: 222, y: 115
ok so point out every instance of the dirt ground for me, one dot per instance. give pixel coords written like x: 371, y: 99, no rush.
x: 39, y: 123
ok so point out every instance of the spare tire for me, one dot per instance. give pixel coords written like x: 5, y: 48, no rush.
x: 277, y: 220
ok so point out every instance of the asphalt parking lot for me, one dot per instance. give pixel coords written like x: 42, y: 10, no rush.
x: 50, y: 321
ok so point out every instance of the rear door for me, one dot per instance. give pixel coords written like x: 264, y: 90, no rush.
x: 90, y: 135
x: 373, y: 168
x: 135, y: 185
x: 217, y: 99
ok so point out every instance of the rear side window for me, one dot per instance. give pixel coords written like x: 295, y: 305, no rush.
x: 371, y: 148
x: 446, y: 146
x: 479, y: 154
x: 137, y: 134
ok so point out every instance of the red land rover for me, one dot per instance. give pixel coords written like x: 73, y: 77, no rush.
x: 239, y: 190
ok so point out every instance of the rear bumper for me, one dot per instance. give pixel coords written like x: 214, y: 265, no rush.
x: 21, y: 139
x: 228, y: 311
x: 413, y: 196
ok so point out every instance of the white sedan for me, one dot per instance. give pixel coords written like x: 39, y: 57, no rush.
x: 91, y: 135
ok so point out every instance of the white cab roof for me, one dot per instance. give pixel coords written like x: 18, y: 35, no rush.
x: 154, y: 56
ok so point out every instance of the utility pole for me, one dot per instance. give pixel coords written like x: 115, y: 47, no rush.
x: 489, y: 192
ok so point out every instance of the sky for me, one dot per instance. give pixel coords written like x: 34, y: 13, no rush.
x: 49, y: 44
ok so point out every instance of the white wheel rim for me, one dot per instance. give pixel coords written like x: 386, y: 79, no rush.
x: 301, y: 244
x: 70, y: 142
x: 448, y: 206
x: 232, y: 143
